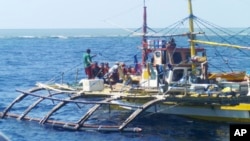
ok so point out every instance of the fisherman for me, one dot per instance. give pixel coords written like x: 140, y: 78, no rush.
x: 113, y: 73
x: 204, y: 68
x: 96, y: 70
x: 204, y: 73
x: 87, y: 61
x: 171, y: 43
x: 106, y: 68
x: 102, y: 70
x: 122, y: 71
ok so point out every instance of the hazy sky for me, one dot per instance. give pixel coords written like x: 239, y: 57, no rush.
x: 118, y: 13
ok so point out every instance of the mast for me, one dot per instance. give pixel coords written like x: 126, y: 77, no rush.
x: 144, y: 21
x: 191, y: 30
x: 144, y: 37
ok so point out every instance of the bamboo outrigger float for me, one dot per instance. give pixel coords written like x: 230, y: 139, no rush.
x: 170, y: 84
x: 79, y: 125
x: 153, y: 104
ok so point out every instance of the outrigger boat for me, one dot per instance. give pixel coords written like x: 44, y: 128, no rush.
x: 175, y: 81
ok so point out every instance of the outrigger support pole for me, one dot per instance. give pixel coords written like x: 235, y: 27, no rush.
x: 66, y: 124
x: 19, y: 98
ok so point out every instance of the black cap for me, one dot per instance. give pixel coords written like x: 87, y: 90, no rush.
x: 88, y: 50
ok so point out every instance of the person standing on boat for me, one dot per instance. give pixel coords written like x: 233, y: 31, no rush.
x: 87, y: 61
x: 204, y: 73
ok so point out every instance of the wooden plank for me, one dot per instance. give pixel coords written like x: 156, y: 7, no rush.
x: 111, y: 129
x: 65, y: 87
x: 44, y: 86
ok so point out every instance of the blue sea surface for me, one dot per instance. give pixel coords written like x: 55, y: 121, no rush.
x: 31, y: 56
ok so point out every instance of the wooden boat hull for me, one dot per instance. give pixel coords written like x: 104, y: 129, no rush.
x: 233, y: 76
x: 225, y: 109
x: 231, y: 114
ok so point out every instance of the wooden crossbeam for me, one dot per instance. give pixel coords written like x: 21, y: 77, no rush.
x: 77, y: 101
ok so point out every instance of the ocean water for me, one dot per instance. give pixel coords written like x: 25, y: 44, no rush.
x: 29, y: 56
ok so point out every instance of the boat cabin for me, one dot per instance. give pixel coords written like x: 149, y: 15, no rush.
x: 175, y: 61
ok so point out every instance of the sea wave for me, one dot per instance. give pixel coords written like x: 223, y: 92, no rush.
x: 61, y: 33
x: 89, y: 33
x: 61, y: 36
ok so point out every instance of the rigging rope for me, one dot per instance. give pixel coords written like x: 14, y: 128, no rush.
x: 198, y: 20
x: 59, y: 76
x: 219, y: 29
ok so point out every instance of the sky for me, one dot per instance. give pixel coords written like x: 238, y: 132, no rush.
x: 23, y: 14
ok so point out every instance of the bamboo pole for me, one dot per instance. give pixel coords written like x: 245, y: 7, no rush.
x: 220, y: 44
x: 77, y: 101
x: 70, y: 125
